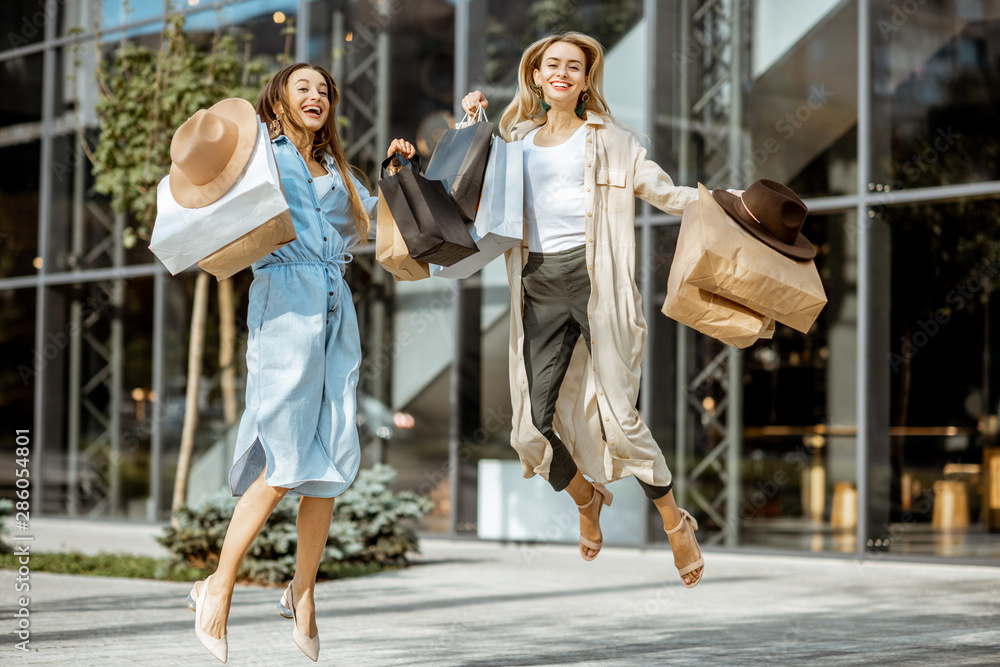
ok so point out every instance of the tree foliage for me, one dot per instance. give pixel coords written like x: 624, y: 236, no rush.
x: 145, y: 96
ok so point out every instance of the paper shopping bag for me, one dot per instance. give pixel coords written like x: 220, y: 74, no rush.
x: 716, y: 316
x: 426, y: 217
x: 459, y: 162
x: 390, y: 249
x: 229, y: 260
x: 499, y: 223
x: 183, y: 236
x: 712, y: 315
x: 734, y: 264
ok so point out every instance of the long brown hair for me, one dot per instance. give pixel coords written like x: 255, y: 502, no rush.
x: 525, y: 104
x: 326, y: 139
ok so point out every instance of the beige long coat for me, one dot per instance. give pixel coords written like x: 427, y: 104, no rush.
x: 599, y: 389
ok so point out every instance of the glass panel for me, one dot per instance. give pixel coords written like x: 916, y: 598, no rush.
x: 799, y: 457
x: 83, y: 232
x: 662, y: 346
x: 19, y: 209
x: 800, y: 100
x: 266, y: 28
x: 115, y: 13
x: 945, y: 375
x: 22, y: 22
x: 18, y: 372
x: 24, y: 75
x: 97, y: 398
x: 215, y: 435
x: 936, y: 99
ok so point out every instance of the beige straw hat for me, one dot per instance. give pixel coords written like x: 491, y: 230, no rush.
x: 210, y: 150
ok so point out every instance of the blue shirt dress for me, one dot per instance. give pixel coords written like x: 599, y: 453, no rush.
x: 304, y: 347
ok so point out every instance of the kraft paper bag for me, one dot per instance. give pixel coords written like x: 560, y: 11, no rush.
x: 733, y: 264
x: 244, y: 251
x: 391, y: 251
x: 716, y: 316
x: 712, y: 315
x: 499, y: 223
x: 183, y: 236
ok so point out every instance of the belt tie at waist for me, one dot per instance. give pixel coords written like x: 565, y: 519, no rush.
x: 339, y: 261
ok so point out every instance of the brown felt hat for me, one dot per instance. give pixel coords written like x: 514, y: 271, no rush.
x: 773, y: 213
x: 210, y: 150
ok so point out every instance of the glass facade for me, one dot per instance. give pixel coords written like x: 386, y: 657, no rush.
x: 875, y: 432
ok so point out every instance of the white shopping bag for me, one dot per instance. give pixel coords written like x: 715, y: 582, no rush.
x: 499, y: 223
x: 183, y: 236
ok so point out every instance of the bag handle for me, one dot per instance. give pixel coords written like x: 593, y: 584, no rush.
x: 402, y: 161
x: 472, y: 118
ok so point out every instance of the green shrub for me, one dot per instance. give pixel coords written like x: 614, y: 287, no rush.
x: 370, y: 530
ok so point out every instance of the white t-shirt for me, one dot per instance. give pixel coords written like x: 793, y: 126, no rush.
x: 553, y: 193
x: 322, y: 184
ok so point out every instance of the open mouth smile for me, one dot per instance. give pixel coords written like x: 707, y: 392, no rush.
x: 312, y: 111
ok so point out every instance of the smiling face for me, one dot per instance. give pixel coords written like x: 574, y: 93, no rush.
x: 308, y: 98
x: 562, y: 75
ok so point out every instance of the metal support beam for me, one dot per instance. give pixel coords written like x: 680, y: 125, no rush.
x: 710, y: 150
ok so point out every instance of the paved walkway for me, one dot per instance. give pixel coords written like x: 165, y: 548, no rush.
x: 485, y: 605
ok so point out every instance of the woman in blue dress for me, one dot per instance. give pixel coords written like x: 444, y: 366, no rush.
x: 298, y: 435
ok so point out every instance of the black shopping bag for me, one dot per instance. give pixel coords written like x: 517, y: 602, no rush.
x: 426, y: 217
x: 459, y: 162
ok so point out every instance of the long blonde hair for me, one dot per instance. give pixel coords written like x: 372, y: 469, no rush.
x: 525, y: 104
x: 326, y: 140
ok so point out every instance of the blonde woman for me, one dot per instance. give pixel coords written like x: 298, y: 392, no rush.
x: 298, y: 435
x: 577, y: 330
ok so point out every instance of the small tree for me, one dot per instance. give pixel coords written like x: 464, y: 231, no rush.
x: 145, y: 96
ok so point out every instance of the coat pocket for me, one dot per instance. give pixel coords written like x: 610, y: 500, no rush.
x: 611, y: 185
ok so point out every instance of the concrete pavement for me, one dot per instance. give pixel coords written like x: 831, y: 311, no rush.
x: 480, y: 604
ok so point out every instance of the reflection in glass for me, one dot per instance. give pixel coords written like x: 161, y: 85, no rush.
x: 99, y: 398
x: 801, y: 107
x: 24, y: 75
x: 944, y: 375
x: 661, y: 345
x: 21, y: 363
x: 19, y: 209
x: 22, y: 23
x: 214, y: 437
x: 83, y: 232
x: 799, y: 94
x: 799, y: 484
x: 936, y: 89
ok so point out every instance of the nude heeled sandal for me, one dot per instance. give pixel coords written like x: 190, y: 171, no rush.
x: 687, y: 569
x: 308, y: 645
x: 604, y: 497
x: 219, y: 647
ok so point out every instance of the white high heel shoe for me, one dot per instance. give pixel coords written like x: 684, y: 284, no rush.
x: 308, y: 645
x: 217, y: 647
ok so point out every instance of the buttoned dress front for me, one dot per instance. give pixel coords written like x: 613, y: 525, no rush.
x: 601, y: 385
x: 304, y: 347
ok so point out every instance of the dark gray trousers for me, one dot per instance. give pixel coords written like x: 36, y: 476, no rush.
x: 556, y: 291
